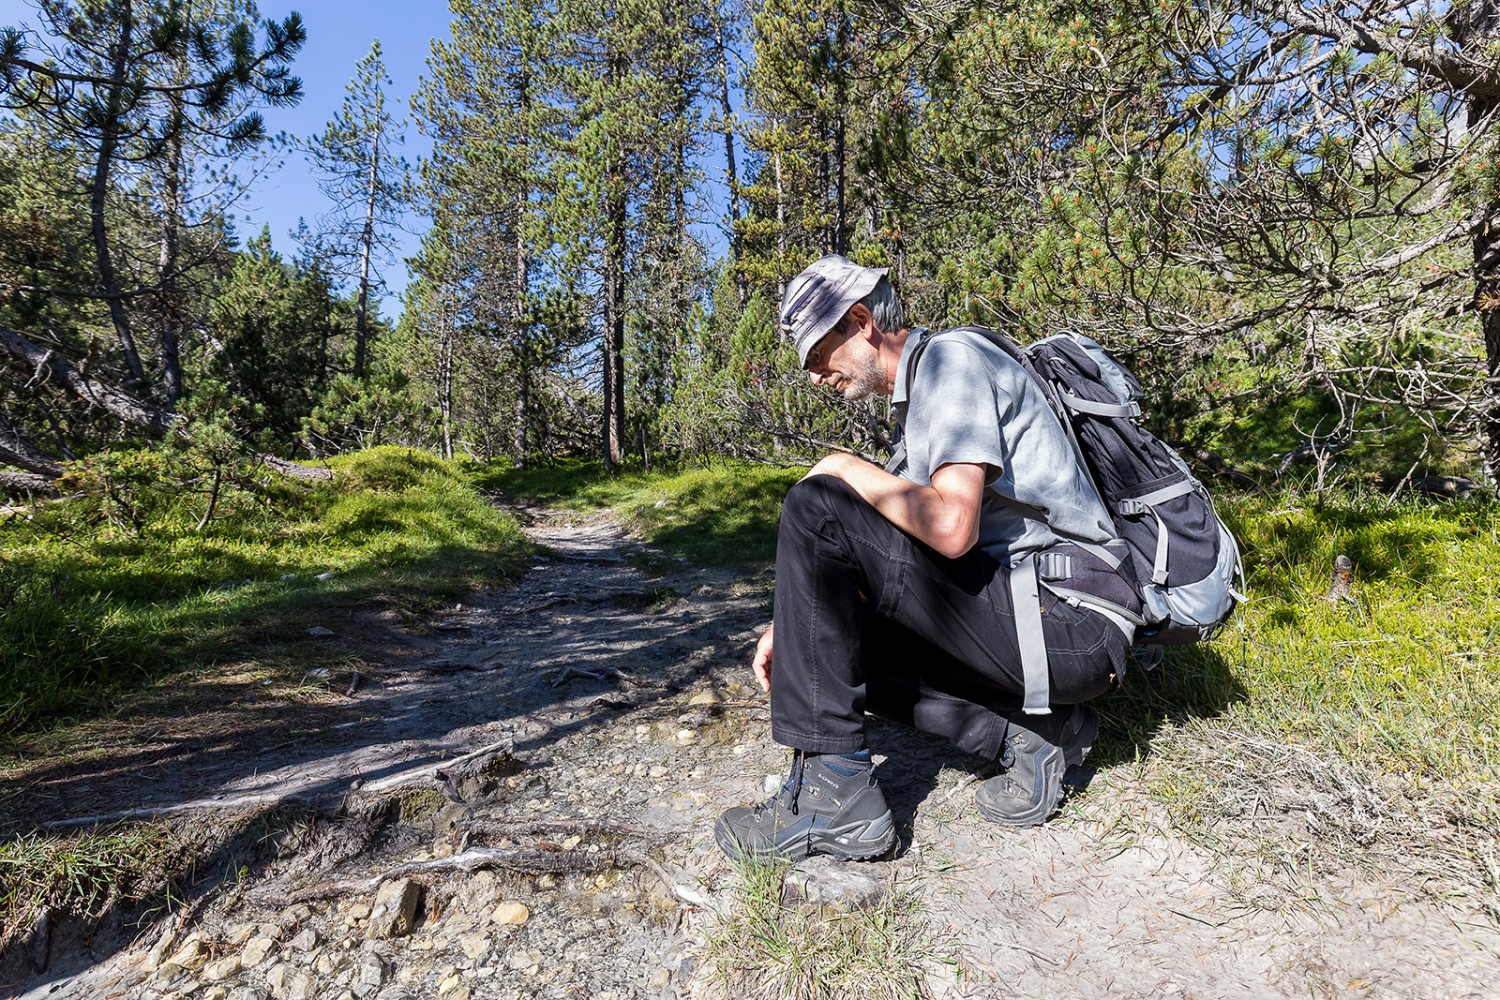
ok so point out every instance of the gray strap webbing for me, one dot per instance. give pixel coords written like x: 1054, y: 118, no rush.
x: 1143, y: 503
x: 1159, y: 567
x: 1103, y: 554
x: 1080, y: 405
x: 1026, y: 604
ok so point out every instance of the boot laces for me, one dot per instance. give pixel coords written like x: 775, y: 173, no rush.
x: 790, y: 788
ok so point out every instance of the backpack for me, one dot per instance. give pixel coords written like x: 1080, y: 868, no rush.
x: 1186, y: 560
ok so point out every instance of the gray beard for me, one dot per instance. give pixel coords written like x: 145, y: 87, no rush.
x: 866, y: 380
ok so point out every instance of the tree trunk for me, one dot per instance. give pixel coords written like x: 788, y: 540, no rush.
x: 521, y: 291
x: 366, y: 249
x: 17, y: 449
x: 66, y: 376
x: 727, y: 111
x: 614, y: 320
x: 840, y: 112
x: 171, y: 340
x: 98, y: 193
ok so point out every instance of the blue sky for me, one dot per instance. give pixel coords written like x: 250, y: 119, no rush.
x: 339, y: 34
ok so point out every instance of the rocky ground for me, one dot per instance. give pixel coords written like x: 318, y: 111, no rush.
x: 519, y: 803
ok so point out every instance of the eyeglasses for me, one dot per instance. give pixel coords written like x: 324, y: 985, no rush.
x: 820, y: 350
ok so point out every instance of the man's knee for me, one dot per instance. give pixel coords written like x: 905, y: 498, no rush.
x: 815, y: 498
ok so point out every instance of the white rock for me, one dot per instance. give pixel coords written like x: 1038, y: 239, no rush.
x: 307, y: 940
x: 822, y: 881
x: 239, y: 934
x: 159, y: 951
x: 192, y: 954
x: 222, y: 969
x: 256, y: 950
x: 276, y: 978
x: 319, y: 632
x: 476, y: 945
x: 395, y: 910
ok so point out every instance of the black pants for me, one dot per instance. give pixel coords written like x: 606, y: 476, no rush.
x: 867, y: 619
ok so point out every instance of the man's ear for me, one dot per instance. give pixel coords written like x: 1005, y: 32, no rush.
x: 864, y: 322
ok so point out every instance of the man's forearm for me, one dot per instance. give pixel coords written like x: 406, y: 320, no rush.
x: 944, y: 515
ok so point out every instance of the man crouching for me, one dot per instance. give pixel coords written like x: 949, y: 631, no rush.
x: 911, y: 592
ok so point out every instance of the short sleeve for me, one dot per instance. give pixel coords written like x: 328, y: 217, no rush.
x: 956, y: 409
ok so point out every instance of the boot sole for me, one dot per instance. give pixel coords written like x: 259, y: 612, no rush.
x: 864, y: 840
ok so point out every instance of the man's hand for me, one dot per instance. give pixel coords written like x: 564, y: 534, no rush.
x: 761, y: 664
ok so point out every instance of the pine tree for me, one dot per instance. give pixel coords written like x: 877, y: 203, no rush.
x: 367, y: 183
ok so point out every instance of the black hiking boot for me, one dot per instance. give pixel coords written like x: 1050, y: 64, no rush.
x: 818, y: 811
x: 1029, y: 790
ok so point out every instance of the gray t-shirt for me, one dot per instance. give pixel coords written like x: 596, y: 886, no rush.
x: 971, y: 402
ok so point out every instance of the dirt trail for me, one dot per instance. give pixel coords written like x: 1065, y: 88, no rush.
x: 620, y: 707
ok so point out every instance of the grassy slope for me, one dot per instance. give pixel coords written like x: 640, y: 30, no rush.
x: 88, y: 609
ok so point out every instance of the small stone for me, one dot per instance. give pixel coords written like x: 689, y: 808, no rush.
x: 547, y: 881
x: 276, y: 978
x: 159, y: 951
x: 359, y: 911
x: 686, y: 736
x: 299, y: 986
x: 319, y: 632
x: 449, y: 984
x: 239, y: 934
x: 328, y: 963
x: 705, y: 698
x: 658, y: 772
x: 369, y: 976
x: 771, y: 784
x: 169, y: 971
x: 192, y: 954
x: 307, y: 940
x: 523, y: 960
x: 326, y: 576
x: 222, y: 969
x: 293, y: 915
x: 395, y: 911
x: 256, y: 950
x: 572, y: 842
x: 214, y: 993
x: 658, y: 978
x: 476, y: 945
x: 511, y: 912
x: 822, y: 881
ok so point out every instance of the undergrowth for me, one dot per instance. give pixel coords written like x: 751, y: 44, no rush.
x: 132, y: 581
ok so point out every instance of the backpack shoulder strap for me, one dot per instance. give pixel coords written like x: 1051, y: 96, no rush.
x: 1011, y: 349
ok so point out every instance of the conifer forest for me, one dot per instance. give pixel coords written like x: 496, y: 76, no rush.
x: 1282, y: 215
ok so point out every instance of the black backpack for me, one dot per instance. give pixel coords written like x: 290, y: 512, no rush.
x: 1187, y: 561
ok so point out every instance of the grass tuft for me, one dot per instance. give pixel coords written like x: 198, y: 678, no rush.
x: 761, y: 948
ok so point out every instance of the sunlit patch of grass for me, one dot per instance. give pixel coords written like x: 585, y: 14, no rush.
x: 724, y: 514
x: 762, y: 948
x: 1315, y: 737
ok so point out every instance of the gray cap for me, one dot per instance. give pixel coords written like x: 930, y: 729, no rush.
x: 819, y: 297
